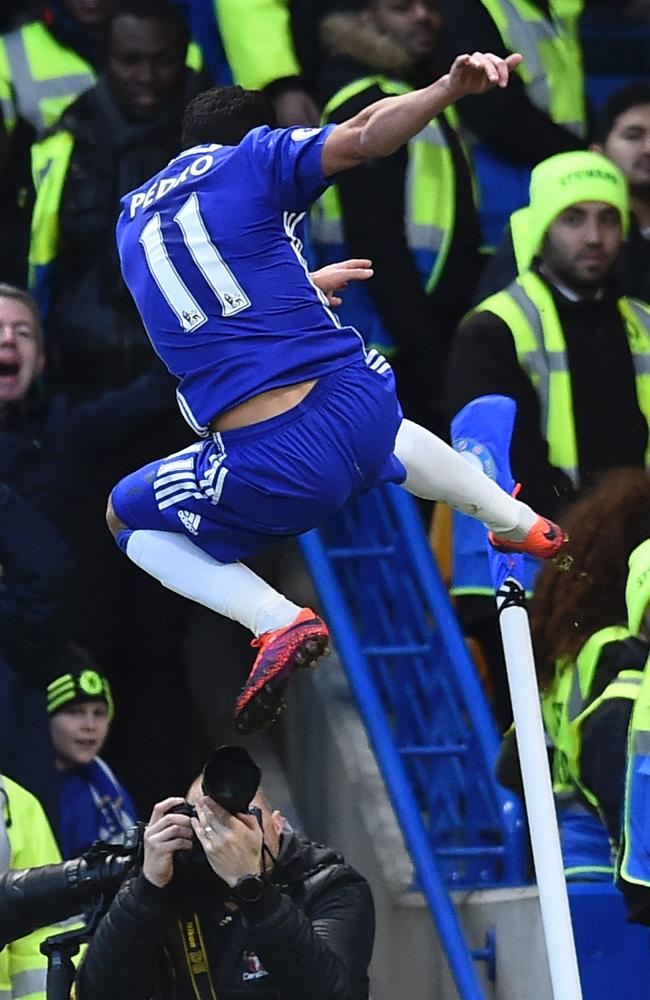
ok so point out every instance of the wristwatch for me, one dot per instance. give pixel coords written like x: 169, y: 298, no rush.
x: 249, y: 889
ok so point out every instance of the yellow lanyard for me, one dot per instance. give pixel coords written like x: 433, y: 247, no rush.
x: 197, y: 958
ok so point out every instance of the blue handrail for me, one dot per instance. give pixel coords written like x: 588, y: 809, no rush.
x: 423, y: 706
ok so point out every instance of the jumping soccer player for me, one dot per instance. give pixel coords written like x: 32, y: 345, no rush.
x: 295, y: 414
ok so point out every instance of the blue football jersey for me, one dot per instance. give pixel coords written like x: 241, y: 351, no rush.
x: 210, y: 249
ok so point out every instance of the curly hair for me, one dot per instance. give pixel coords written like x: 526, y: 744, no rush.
x: 225, y: 115
x: 570, y: 604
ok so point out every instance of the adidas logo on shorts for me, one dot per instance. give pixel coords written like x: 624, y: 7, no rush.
x: 190, y: 521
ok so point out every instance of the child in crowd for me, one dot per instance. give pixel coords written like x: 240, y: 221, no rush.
x: 93, y: 804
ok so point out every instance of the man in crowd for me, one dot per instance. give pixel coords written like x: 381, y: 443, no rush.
x: 229, y: 305
x: 108, y: 141
x: 568, y: 348
x: 44, y: 65
x: 413, y: 212
x: 273, y: 912
x: 623, y: 136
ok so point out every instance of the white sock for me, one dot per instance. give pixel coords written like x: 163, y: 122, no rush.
x: 231, y: 589
x: 436, y: 472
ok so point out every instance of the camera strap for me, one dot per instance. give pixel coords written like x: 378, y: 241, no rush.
x: 196, y: 957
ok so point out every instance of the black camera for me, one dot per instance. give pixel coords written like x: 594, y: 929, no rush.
x: 230, y: 777
x: 35, y: 897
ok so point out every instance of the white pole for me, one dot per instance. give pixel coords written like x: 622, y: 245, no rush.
x: 538, y: 793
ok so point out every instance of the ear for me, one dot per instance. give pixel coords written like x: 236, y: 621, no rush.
x: 278, y: 821
x: 597, y: 147
x: 40, y: 363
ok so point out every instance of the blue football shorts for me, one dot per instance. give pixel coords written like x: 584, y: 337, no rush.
x: 238, y: 491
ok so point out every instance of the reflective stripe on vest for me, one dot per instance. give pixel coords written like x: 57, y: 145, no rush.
x: 28, y: 983
x: 563, y: 704
x: 635, y: 860
x: 50, y: 161
x: 527, y: 307
x: 573, y: 706
x: 27, y: 54
x: 626, y: 685
x: 552, y: 64
x: 585, y: 667
x: 430, y: 189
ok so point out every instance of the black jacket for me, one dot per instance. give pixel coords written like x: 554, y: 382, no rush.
x: 310, y: 936
x: 611, y: 431
x: 34, y: 563
x: 48, y: 442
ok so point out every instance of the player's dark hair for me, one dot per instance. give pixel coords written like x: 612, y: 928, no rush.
x: 225, y: 115
x: 150, y: 10
x: 629, y: 96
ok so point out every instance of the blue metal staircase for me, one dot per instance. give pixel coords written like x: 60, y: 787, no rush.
x: 423, y: 706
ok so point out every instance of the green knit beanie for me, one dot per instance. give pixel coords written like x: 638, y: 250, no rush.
x: 72, y: 689
x: 557, y: 183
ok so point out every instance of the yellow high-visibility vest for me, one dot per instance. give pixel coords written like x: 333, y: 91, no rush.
x: 31, y: 844
x: 40, y: 78
x: 552, y: 69
x: 528, y: 309
x: 257, y: 40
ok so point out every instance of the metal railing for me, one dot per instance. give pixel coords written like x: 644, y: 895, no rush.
x: 423, y: 706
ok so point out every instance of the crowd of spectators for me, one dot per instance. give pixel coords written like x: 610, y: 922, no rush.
x: 91, y: 100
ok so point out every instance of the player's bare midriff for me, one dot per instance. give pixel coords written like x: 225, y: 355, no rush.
x: 263, y: 407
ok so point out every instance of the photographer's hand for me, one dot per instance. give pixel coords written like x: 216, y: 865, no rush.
x: 166, y: 833
x: 232, y: 844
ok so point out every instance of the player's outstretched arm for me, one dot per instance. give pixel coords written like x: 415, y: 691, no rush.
x: 384, y: 126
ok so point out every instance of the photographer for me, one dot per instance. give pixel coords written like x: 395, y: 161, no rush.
x: 231, y: 901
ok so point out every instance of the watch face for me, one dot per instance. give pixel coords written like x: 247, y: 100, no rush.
x: 249, y: 888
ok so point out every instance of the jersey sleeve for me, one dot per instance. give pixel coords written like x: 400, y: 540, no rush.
x: 287, y: 163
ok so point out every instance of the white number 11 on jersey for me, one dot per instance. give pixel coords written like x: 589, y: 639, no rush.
x: 231, y: 295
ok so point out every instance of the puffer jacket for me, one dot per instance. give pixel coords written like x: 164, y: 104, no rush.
x: 310, y: 936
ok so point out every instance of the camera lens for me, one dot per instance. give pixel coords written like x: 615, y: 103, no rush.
x: 231, y: 778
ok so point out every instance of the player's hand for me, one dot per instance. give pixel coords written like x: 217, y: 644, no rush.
x: 232, y: 844
x: 165, y: 834
x: 480, y: 72
x: 336, y: 277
